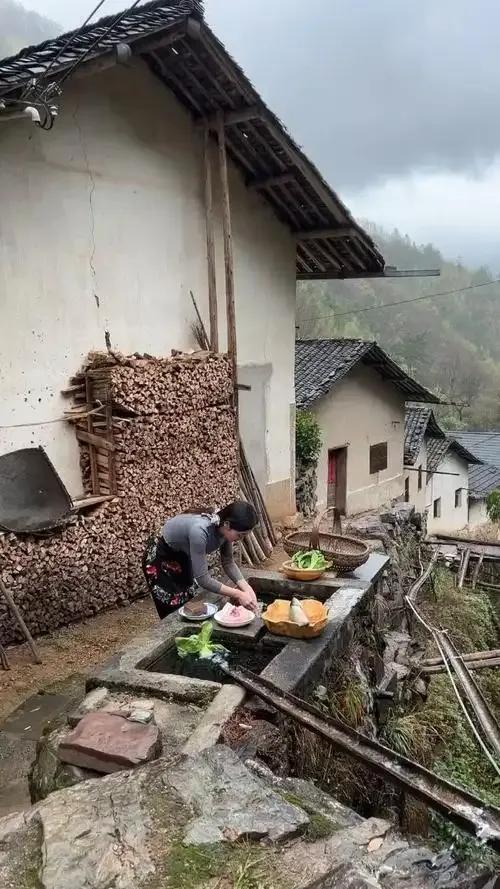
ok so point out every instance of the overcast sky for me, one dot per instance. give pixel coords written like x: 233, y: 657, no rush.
x: 397, y: 102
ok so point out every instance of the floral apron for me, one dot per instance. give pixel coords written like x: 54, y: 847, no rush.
x: 168, y: 575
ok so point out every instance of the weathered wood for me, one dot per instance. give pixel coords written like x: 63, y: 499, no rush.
x: 19, y: 618
x: 477, y: 569
x: 209, y: 221
x: 228, y: 259
x: 95, y: 440
x: 487, y: 664
x: 93, y: 462
x: 4, y: 661
x: 463, y: 569
x: 417, y: 586
x: 271, y: 181
x: 87, y: 502
x: 470, y: 656
x: 330, y: 234
x: 231, y: 118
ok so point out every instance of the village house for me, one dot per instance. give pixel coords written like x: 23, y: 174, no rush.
x: 436, y: 472
x: 485, y: 478
x: 358, y: 396
x: 109, y: 211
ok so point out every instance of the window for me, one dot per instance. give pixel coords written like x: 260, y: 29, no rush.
x: 407, y: 490
x: 436, y: 508
x: 458, y: 498
x: 378, y: 457
x: 420, y: 478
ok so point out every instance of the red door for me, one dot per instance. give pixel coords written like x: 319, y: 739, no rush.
x: 332, y: 477
x: 337, y: 479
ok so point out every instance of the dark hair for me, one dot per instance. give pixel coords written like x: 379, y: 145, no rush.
x: 239, y: 515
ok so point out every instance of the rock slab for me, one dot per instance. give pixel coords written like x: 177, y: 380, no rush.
x: 231, y: 803
x: 108, y: 743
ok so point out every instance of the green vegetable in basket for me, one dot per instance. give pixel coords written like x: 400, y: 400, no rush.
x: 199, y: 644
x: 311, y: 558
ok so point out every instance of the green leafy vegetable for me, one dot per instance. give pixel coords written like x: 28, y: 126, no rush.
x: 199, y: 644
x: 312, y: 558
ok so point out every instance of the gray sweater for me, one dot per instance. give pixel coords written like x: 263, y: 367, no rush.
x: 196, y: 536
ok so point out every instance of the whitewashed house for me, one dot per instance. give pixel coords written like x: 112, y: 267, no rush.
x: 358, y: 396
x: 103, y: 229
x: 485, y: 478
x: 436, y: 472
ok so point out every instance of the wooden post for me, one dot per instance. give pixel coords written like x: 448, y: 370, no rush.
x: 18, y: 616
x: 209, y: 215
x: 228, y: 259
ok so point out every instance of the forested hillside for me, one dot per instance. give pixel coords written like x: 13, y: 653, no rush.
x: 19, y: 27
x: 450, y: 344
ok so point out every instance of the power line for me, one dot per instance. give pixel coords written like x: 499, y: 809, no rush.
x: 401, y: 302
x: 72, y: 37
x: 97, y: 41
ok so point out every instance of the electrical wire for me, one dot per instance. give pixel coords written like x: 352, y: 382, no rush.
x: 71, y: 39
x: 402, y: 302
x: 96, y: 42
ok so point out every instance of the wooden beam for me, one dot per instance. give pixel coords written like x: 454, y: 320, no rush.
x: 228, y: 261
x: 487, y: 664
x: 95, y: 440
x: 231, y: 118
x: 9, y: 598
x: 209, y: 219
x: 271, y: 181
x: 331, y: 234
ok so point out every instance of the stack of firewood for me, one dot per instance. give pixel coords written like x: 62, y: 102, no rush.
x: 174, y: 445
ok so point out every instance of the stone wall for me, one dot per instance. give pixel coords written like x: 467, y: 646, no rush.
x: 176, y: 449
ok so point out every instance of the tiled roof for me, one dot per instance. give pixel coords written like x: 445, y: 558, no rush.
x: 171, y: 37
x: 483, y: 479
x: 485, y: 445
x: 419, y: 421
x: 437, y: 448
x: 321, y: 364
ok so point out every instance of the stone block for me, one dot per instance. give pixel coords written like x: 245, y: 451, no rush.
x: 106, y: 743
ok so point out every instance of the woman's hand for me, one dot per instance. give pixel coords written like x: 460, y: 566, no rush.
x: 246, y: 596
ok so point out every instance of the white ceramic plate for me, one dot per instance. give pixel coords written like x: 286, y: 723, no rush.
x: 232, y: 626
x: 211, y: 609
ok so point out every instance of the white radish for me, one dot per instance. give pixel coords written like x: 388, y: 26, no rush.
x: 297, y: 614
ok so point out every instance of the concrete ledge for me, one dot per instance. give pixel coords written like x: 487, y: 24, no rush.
x: 208, y: 731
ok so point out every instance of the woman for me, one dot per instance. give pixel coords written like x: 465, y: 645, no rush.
x: 178, y: 558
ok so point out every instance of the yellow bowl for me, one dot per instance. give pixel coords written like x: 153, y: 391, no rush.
x: 276, y: 619
x: 294, y: 573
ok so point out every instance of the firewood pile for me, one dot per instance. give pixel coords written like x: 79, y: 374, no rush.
x: 160, y: 434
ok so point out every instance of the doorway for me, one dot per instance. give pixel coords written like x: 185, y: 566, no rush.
x: 337, y: 479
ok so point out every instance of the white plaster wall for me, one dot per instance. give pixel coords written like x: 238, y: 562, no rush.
x: 360, y: 411
x: 478, y: 514
x: 418, y: 498
x: 102, y: 228
x: 444, y: 486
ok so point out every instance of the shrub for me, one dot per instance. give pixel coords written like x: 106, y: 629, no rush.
x: 493, y: 505
x: 307, y: 437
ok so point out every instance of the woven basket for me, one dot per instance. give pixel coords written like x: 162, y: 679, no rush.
x: 346, y: 553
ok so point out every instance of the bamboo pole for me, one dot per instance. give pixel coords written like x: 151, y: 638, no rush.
x: 17, y: 614
x: 228, y: 259
x: 209, y: 216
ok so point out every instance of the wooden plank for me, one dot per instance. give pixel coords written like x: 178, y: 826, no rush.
x: 228, y: 261
x: 209, y: 220
x: 271, y: 181
x: 231, y: 118
x: 470, y: 656
x: 488, y: 664
x: 330, y: 234
x: 477, y: 569
x: 463, y: 569
x: 92, y: 455
x: 94, y: 440
x: 87, y: 502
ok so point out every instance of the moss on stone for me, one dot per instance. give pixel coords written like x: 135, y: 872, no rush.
x: 320, y: 826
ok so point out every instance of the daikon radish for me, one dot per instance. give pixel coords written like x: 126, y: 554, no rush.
x: 297, y: 614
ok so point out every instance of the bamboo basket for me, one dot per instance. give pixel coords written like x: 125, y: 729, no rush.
x: 345, y: 553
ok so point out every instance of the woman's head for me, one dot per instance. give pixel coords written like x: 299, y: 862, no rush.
x: 237, y: 519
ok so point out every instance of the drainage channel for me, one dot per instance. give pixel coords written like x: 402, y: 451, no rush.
x: 463, y: 808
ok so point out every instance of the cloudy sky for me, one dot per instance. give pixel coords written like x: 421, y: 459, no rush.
x: 397, y: 102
